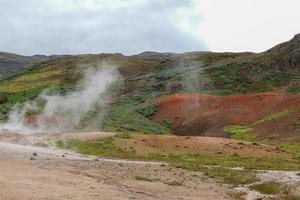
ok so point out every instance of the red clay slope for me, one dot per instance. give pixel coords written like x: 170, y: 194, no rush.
x: 193, y: 114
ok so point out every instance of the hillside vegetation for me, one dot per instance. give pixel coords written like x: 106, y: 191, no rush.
x: 12, y: 63
x: 150, y: 75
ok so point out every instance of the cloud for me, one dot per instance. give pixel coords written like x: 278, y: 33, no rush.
x: 248, y: 25
x: 93, y: 26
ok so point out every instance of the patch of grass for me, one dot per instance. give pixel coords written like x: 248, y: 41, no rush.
x: 143, y: 178
x: 292, y: 197
x: 59, y: 144
x: 230, y: 176
x: 293, y: 148
x: 20, y: 87
x: 148, y: 110
x: 268, y: 188
x: 218, y: 92
x: 100, y: 147
x: 195, y: 161
x: 239, y: 132
x: 127, y: 115
x: 274, y: 116
x: 24, y: 95
x: 237, y: 129
x: 124, y: 135
x: 108, y: 147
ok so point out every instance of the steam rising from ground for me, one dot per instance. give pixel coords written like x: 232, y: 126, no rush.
x: 65, y: 112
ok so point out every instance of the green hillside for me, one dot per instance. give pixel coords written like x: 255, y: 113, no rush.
x: 151, y: 74
x: 12, y: 63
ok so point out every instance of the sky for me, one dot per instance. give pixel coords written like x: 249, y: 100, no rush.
x: 133, y: 26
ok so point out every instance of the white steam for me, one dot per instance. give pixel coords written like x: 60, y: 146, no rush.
x: 65, y: 112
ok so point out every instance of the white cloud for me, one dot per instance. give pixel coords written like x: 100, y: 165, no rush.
x: 93, y: 26
x: 133, y: 26
x: 248, y: 25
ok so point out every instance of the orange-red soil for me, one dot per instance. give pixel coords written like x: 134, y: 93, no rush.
x: 193, y: 114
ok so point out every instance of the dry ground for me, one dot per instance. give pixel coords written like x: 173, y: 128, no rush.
x: 34, y: 173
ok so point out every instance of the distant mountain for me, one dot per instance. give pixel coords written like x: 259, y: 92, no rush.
x: 12, y: 63
x: 157, y: 55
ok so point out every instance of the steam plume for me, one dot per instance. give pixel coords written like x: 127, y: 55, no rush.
x: 66, y: 112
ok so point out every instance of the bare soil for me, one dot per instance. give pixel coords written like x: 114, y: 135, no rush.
x: 34, y: 173
x: 205, y: 115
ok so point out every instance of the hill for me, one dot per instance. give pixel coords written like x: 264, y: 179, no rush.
x: 147, y: 76
x: 12, y: 63
x: 263, y: 116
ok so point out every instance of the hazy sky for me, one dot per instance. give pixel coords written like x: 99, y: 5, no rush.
x: 132, y: 26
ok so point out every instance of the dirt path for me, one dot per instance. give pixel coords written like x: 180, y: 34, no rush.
x: 55, y: 175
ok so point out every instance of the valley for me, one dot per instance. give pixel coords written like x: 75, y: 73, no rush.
x: 196, y: 125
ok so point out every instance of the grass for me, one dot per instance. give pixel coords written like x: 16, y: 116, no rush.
x: 20, y: 87
x: 230, y: 176
x: 59, y: 144
x: 239, y: 132
x: 219, y: 166
x: 293, y: 148
x: 104, y: 147
x: 147, y: 110
x: 149, y: 78
x: 108, y: 147
x: 274, y: 116
x: 132, y: 114
x: 125, y: 135
x: 292, y: 197
x: 268, y: 188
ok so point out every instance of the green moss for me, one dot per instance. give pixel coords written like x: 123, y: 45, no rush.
x: 237, y: 129
x: 293, y: 148
x: 24, y: 95
x: 268, y: 188
x: 100, y: 147
x: 239, y: 132
x: 274, y: 116
x: 124, y: 135
x: 147, y: 110
x: 230, y: 176
x: 293, y: 197
x: 59, y: 144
